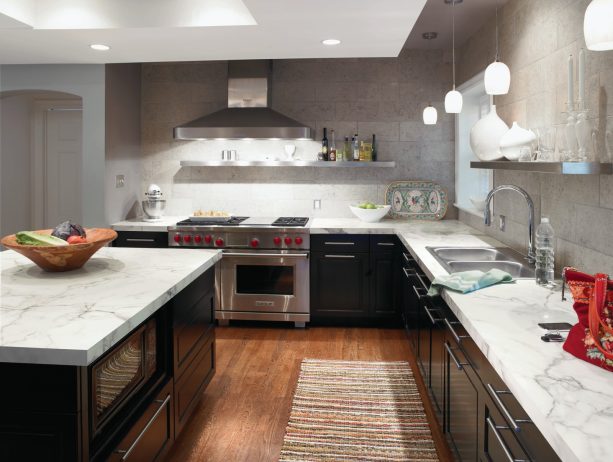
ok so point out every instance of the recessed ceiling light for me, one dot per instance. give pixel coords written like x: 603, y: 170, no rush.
x: 100, y: 47
x: 331, y: 42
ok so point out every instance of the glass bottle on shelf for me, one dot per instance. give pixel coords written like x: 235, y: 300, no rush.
x: 332, y: 154
x: 374, y: 149
x: 324, y: 145
x: 347, y: 149
x: 356, y: 147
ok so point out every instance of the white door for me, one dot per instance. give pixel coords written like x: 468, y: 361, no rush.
x: 62, y: 166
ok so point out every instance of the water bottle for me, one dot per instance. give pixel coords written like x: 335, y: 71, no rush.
x: 544, y: 253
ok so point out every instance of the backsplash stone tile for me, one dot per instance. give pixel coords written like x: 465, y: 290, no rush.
x: 536, y: 39
x: 383, y: 96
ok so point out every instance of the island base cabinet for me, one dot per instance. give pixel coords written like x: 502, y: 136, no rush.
x: 152, y: 435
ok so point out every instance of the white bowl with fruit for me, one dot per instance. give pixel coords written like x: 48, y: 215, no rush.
x: 369, y: 212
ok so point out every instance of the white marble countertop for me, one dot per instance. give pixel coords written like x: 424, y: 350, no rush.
x: 138, y: 224
x: 72, y: 318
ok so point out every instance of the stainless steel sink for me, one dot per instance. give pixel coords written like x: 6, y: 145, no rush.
x: 455, y: 259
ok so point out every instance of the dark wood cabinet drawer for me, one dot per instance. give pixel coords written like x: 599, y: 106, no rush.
x: 189, y: 388
x: 141, y: 239
x: 384, y: 243
x: 335, y: 243
x: 152, y: 435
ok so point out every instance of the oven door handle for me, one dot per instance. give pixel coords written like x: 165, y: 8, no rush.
x: 274, y: 255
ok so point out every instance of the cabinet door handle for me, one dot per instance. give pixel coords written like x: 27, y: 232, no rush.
x: 408, y: 258
x: 495, y: 430
x: 433, y: 320
x: 421, y: 281
x: 409, y: 272
x: 495, y: 394
x: 458, y: 338
x: 127, y: 452
x: 457, y: 362
x: 419, y: 292
x: 139, y: 239
x: 386, y: 244
x: 339, y: 256
x: 339, y: 243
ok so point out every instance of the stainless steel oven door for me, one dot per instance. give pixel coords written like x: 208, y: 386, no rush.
x: 264, y: 281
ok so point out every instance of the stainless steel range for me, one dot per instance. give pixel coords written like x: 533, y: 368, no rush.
x: 264, y: 272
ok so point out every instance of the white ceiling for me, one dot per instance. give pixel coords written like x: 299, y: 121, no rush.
x: 470, y: 15
x: 60, y: 31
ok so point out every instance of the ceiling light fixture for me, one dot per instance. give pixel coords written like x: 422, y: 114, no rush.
x: 497, y: 75
x: 598, y: 25
x: 331, y: 42
x: 453, y: 98
x: 100, y: 47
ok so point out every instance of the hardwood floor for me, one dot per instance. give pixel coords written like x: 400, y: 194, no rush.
x: 244, y: 411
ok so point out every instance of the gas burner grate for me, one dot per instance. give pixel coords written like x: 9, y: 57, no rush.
x: 291, y: 221
x: 208, y: 221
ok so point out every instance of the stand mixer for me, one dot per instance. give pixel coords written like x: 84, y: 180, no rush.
x: 153, y: 205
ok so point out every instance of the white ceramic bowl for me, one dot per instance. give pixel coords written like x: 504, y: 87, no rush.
x: 370, y: 215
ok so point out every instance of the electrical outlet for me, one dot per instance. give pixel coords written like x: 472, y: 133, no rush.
x: 317, y: 204
x: 120, y: 181
x: 502, y: 223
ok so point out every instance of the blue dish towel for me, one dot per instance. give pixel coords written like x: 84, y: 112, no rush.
x: 469, y: 281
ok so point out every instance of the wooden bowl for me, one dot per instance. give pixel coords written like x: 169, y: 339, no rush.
x: 62, y: 257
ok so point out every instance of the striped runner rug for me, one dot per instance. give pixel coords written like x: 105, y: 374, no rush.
x: 357, y: 411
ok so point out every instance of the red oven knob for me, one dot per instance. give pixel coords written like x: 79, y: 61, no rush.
x: 288, y: 240
x: 219, y: 242
x: 187, y: 238
x: 255, y: 243
x: 177, y: 238
x: 208, y: 239
x: 298, y: 240
x: 197, y: 239
x: 277, y: 240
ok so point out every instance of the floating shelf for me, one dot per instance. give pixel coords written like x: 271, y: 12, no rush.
x: 285, y: 163
x: 561, y: 168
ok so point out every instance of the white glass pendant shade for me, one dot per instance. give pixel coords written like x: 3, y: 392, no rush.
x: 430, y: 115
x: 497, y: 79
x: 598, y: 25
x: 453, y: 102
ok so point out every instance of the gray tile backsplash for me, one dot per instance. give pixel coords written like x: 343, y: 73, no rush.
x: 536, y: 39
x: 383, y: 96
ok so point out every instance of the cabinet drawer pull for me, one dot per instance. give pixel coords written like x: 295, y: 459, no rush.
x: 339, y: 243
x: 433, y: 320
x: 408, y: 258
x: 495, y: 430
x: 339, y: 256
x: 421, y: 281
x: 386, y: 244
x: 409, y: 272
x: 139, y: 239
x: 126, y: 453
x: 458, y: 338
x: 420, y: 293
x: 495, y: 394
x: 457, y: 362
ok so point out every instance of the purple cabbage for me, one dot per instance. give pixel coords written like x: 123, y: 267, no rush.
x: 66, y: 229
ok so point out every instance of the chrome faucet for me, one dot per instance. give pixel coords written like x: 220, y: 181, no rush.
x: 488, y: 216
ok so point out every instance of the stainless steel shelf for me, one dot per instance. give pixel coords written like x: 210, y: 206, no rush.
x: 284, y: 163
x: 561, y: 168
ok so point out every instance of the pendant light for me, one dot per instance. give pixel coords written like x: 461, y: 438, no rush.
x: 598, y: 25
x: 453, y: 99
x: 430, y: 115
x: 497, y: 74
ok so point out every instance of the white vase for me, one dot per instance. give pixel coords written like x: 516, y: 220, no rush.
x: 486, y: 134
x: 514, y: 139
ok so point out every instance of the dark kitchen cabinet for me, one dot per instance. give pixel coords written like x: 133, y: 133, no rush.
x: 141, y: 239
x: 339, y: 285
x: 355, y: 277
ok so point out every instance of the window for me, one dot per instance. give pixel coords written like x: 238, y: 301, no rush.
x: 470, y: 182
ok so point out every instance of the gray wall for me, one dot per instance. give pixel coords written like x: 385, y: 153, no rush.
x: 536, y: 39
x: 123, y: 156
x: 382, y: 96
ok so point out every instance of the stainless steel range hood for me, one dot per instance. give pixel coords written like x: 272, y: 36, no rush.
x: 248, y: 115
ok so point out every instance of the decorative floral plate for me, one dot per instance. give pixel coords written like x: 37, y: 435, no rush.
x: 420, y: 200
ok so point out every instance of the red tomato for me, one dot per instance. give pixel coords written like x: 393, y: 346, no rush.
x: 76, y: 240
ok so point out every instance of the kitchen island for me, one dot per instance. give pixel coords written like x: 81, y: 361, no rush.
x: 106, y: 362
